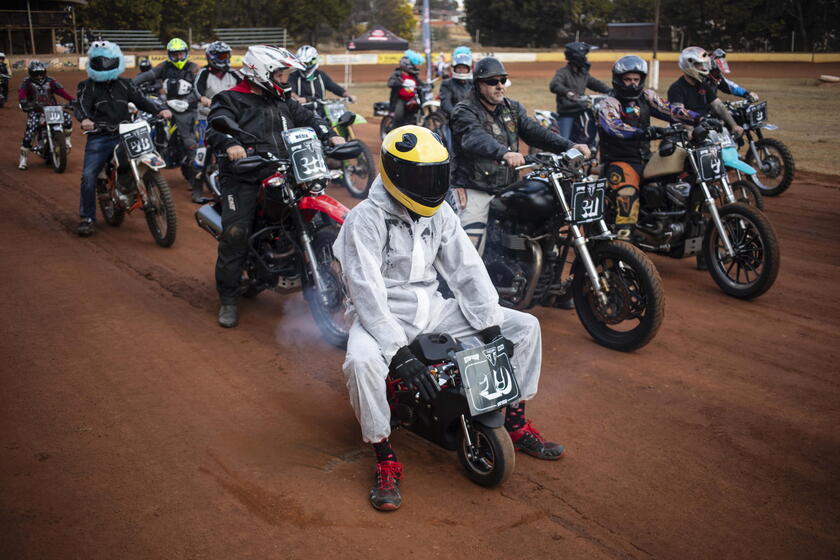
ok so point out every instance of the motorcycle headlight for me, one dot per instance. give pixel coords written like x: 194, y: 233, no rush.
x: 276, y: 181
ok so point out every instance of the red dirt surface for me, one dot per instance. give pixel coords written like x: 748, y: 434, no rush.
x: 132, y: 426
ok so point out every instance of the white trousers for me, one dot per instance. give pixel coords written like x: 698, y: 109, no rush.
x: 473, y: 208
x: 365, y: 369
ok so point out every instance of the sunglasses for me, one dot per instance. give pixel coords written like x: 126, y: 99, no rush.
x: 495, y: 81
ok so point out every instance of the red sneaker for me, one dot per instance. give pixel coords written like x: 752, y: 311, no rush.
x: 385, y: 493
x: 528, y: 440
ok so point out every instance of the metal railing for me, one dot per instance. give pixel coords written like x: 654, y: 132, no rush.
x: 253, y: 36
x: 132, y: 39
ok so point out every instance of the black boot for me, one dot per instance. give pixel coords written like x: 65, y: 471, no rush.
x: 228, y: 315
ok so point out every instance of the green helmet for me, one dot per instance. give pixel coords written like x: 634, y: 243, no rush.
x: 178, y: 51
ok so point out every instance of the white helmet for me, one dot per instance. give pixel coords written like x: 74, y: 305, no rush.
x: 260, y: 63
x: 308, y: 55
x: 695, y: 63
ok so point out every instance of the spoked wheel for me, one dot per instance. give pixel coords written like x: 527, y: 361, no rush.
x: 359, y: 173
x: 385, y: 126
x: 111, y: 213
x: 160, y: 213
x: 434, y: 122
x: 775, y: 168
x: 328, y: 307
x: 635, y: 301
x: 59, y: 152
x: 755, y: 265
x: 747, y: 193
x: 488, y: 458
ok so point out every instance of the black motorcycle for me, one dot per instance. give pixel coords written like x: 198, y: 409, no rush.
x: 770, y: 157
x: 467, y: 414
x: 295, y: 225
x: 679, y: 216
x: 553, y: 218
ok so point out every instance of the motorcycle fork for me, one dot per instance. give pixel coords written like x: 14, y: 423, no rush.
x: 599, y: 285
x: 309, y: 253
x: 713, y: 211
x: 727, y: 189
x: 141, y: 187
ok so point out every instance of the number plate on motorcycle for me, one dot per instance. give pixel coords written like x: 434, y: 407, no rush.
x: 335, y: 110
x: 709, y: 163
x: 588, y: 201
x: 137, y: 139
x: 487, y: 376
x: 54, y: 114
x: 757, y: 114
x: 306, y: 153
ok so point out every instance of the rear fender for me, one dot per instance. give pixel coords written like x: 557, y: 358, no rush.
x: 360, y: 119
x: 431, y: 103
x: 326, y: 204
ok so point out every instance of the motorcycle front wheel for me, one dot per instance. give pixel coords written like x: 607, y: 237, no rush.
x: 328, y: 308
x: 774, y: 171
x: 359, y: 173
x: 747, y: 193
x: 59, y: 151
x: 755, y: 265
x: 635, y: 304
x: 385, y: 126
x: 160, y: 212
x: 490, y: 459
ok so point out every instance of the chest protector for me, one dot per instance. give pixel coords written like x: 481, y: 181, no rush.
x: 634, y: 150
x: 178, y: 83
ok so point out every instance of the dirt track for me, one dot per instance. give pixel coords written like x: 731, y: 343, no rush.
x: 131, y: 426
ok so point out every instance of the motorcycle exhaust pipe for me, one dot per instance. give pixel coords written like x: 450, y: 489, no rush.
x: 209, y: 220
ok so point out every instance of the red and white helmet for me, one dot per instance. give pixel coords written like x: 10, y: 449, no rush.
x: 261, y: 62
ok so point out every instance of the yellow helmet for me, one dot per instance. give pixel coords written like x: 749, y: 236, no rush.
x: 178, y: 52
x: 415, y: 168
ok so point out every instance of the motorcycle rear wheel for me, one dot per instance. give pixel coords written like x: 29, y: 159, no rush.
x: 111, y: 213
x: 491, y: 459
x: 756, y: 252
x: 779, y: 163
x: 635, y: 296
x: 385, y: 126
x: 329, y: 315
x: 160, y: 215
x: 747, y: 193
x: 59, y: 153
x: 359, y: 173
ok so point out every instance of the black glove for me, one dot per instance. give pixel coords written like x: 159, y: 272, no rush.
x: 407, y: 367
x: 494, y: 334
x: 653, y: 132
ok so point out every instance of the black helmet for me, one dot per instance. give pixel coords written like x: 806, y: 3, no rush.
x: 37, y: 71
x: 488, y: 67
x: 624, y: 65
x: 144, y: 64
x: 576, y: 53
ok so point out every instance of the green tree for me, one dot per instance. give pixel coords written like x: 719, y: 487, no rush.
x: 394, y: 15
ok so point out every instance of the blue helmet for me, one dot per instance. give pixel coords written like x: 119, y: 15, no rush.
x: 414, y: 57
x: 105, y: 61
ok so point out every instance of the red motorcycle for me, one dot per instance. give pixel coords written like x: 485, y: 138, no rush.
x: 295, y: 226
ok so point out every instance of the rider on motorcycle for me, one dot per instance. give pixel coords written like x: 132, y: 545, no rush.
x: 572, y: 81
x: 724, y: 84
x: 103, y: 100
x: 486, y: 127
x: 693, y: 91
x: 624, y: 123
x: 178, y: 74
x: 4, y: 82
x: 216, y: 77
x: 34, y: 93
x: 456, y: 88
x: 311, y: 83
x: 404, y: 83
x: 152, y: 89
x: 260, y: 105
x: 392, y: 247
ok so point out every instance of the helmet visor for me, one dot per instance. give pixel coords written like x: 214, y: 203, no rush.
x: 177, y: 56
x: 105, y: 63
x: 630, y: 64
x: 424, y: 183
x: 220, y: 56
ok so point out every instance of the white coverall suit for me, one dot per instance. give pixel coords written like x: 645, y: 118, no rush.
x: 390, y: 265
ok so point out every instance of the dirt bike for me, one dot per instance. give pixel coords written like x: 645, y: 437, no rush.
x: 554, y: 217
x: 741, y: 190
x: 294, y: 227
x: 467, y: 414
x: 50, y: 140
x: 679, y: 216
x: 142, y: 187
x: 355, y: 174
x: 771, y: 157
x: 426, y: 113
x: 584, y: 129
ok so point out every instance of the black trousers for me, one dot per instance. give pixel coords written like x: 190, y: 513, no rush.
x: 239, y: 205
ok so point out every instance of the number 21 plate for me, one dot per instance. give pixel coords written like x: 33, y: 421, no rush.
x: 588, y: 201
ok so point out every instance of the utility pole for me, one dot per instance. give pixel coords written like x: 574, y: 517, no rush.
x: 31, y: 32
x: 654, y: 64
